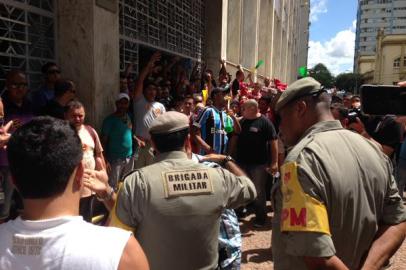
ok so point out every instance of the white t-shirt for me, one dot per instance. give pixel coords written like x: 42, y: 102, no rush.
x: 61, y: 243
x: 144, y: 113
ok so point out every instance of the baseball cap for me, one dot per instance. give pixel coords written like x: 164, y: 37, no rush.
x: 121, y: 96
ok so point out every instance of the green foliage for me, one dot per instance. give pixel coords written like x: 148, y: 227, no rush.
x: 321, y: 73
x: 348, y: 82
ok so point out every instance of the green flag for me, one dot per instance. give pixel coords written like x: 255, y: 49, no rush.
x: 260, y: 63
x: 303, y: 71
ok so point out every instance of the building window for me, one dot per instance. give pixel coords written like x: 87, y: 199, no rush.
x: 396, y: 63
x: 27, y: 38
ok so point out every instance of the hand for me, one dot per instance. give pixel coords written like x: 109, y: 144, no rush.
x: 154, y: 58
x: 273, y: 169
x: 230, y: 112
x: 140, y: 142
x: 100, y: 176
x: 402, y: 84
x: 94, y: 184
x: 129, y: 68
x: 4, y: 134
x: 214, y: 158
x: 95, y: 179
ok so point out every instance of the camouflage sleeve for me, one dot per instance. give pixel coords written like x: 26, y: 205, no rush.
x: 130, y: 203
x: 239, y: 190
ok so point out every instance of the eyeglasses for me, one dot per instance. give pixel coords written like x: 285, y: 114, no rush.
x: 18, y: 85
x: 54, y: 71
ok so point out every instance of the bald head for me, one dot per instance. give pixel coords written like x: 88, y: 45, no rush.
x: 250, y: 109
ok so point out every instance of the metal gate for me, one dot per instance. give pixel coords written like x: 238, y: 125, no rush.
x: 174, y: 26
x: 27, y: 37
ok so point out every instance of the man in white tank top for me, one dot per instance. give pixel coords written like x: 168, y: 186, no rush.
x: 45, y: 162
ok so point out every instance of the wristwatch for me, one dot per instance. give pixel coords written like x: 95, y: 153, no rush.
x: 227, y: 159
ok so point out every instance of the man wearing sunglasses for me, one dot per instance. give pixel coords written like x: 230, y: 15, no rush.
x: 17, y: 108
x: 46, y: 92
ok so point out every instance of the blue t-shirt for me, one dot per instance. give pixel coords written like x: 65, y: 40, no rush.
x: 119, y: 137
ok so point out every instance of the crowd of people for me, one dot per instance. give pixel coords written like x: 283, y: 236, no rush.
x: 185, y: 154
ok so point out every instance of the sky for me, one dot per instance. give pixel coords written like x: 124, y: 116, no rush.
x: 332, y: 34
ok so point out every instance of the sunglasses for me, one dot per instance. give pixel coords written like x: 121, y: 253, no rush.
x: 54, y: 71
x: 19, y: 85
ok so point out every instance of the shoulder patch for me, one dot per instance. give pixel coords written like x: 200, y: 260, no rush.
x: 187, y: 182
x: 300, y: 212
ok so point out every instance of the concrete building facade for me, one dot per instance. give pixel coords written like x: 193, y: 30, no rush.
x: 388, y: 65
x: 275, y: 31
x: 93, y: 40
x: 374, y: 15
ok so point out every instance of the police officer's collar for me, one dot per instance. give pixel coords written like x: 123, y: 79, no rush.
x: 317, y: 128
x: 170, y: 155
x: 323, y: 126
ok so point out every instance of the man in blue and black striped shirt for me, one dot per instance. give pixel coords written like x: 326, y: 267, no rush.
x: 213, y: 125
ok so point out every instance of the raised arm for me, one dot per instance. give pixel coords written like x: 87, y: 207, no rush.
x: 139, y: 85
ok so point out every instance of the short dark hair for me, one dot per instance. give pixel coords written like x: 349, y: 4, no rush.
x: 170, y: 142
x: 149, y: 83
x: 12, y: 73
x: 43, y: 155
x: 73, y: 105
x: 62, y: 86
x: 47, y: 66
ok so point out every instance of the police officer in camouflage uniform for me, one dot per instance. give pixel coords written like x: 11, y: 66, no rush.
x: 174, y: 205
x: 336, y: 204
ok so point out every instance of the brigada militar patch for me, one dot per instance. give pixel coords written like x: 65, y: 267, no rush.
x: 187, y: 182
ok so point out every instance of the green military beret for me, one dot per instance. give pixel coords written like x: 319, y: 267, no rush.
x: 299, y: 88
x: 169, y: 122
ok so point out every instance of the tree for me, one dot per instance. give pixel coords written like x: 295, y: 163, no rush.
x: 321, y: 73
x: 348, y: 81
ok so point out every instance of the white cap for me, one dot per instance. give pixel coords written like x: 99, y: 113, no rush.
x: 121, y: 96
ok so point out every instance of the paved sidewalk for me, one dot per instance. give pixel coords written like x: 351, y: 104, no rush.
x: 257, y: 253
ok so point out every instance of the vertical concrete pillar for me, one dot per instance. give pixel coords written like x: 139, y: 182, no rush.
x: 249, y: 53
x: 234, y: 31
x: 270, y: 38
x: 264, y: 51
x: 215, y: 33
x: 88, y: 42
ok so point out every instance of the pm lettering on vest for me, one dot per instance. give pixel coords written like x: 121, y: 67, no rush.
x: 189, y: 182
x: 300, y: 211
x: 295, y: 217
